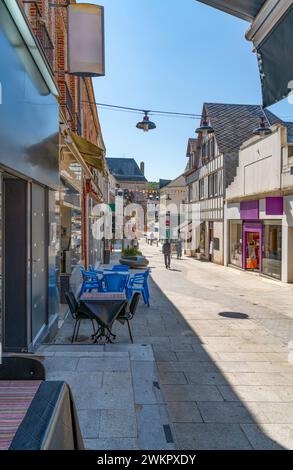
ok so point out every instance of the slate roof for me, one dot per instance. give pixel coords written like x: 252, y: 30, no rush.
x: 125, y: 169
x: 177, y: 182
x: 191, y: 146
x: 234, y: 123
x: 163, y: 183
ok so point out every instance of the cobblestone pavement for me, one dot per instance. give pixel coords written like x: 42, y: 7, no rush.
x: 209, y: 368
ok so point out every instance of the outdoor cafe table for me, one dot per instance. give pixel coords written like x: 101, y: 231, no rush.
x: 106, y: 307
x: 38, y: 415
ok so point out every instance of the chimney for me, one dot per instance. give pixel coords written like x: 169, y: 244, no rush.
x: 142, y: 167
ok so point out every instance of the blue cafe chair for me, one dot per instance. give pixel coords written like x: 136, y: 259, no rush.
x: 90, y: 281
x: 139, y: 283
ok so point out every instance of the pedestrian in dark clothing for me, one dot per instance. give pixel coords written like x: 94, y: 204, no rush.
x: 179, y: 248
x: 167, y: 253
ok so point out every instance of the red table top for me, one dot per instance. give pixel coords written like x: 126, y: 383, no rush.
x: 103, y: 296
x: 15, y: 399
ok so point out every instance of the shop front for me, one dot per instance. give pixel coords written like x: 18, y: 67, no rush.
x: 29, y: 185
x: 256, y: 241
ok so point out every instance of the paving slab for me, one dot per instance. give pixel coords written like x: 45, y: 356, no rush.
x: 197, y: 436
x: 118, y: 424
x: 253, y: 393
x: 172, y: 378
x: 269, y: 436
x: 103, y: 364
x: 224, y: 412
x: 89, y: 421
x: 179, y: 393
x: 154, y: 431
x: 137, y: 352
x: 146, y: 385
x: 111, y: 444
x: 184, y: 412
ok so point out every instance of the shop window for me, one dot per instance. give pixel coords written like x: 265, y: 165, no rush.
x: 236, y: 243
x: 70, y: 214
x: 272, y: 249
x: 202, y: 242
x: 211, y: 185
x: 201, y: 189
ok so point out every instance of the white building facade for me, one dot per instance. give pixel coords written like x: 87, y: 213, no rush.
x: 259, y: 207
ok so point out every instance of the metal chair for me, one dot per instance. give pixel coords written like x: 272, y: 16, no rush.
x: 78, y: 314
x: 128, y: 315
x: 115, y: 282
x: 139, y: 283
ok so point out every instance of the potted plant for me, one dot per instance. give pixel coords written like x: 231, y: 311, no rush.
x: 133, y: 258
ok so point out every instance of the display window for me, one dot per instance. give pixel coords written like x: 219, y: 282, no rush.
x: 236, y: 243
x: 272, y: 249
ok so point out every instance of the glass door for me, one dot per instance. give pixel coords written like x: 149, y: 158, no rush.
x: 253, y: 251
x: 39, y: 259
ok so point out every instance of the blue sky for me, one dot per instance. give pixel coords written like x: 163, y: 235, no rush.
x: 171, y: 55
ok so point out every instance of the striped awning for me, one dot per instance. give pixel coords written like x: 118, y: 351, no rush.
x: 15, y: 399
x: 91, y: 153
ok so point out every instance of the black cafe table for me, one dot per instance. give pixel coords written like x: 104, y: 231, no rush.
x: 106, y: 307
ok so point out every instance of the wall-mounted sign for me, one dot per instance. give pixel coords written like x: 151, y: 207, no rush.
x: 86, y: 40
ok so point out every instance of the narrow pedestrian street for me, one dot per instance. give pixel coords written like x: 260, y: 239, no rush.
x: 209, y: 368
x: 146, y: 231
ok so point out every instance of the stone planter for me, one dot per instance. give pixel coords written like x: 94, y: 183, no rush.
x: 135, y: 262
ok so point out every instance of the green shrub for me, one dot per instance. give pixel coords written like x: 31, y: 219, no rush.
x: 131, y: 252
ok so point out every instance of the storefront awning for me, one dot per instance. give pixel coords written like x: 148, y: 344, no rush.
x: 273, y: 40
x: 91, y: 153
x: 271, y: 32
x: 245, y: 9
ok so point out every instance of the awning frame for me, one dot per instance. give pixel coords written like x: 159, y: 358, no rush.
x: 268, y: 17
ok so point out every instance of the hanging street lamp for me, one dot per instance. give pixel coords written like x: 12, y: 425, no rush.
x: 205, y: 128
x: 263, y: 129
x: 146, y: 125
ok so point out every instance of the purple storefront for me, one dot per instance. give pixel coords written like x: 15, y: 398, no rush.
x: 256, y: 237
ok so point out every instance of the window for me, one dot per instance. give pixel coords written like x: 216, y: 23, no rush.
x: 236, y: 243
x: 211, y: 185
x: 201, y: 189
x: 216, y: 188
x: 212, y: 147
x: 272, y: 254
x: 190, y: 193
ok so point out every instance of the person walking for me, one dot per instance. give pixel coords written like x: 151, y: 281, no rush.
x: 179, y: 248
x: 167, y: 253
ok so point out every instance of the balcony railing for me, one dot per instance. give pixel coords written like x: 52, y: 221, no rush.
x: 39, y: 28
